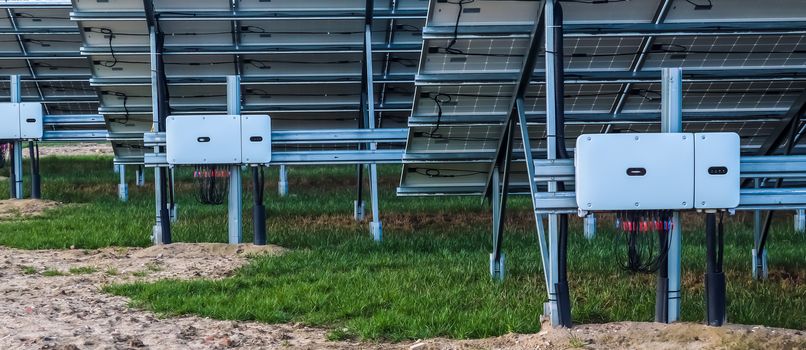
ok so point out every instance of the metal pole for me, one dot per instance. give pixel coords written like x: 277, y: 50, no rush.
x: 11, y: 189
x: 551, y: 154
x: 123, y: 188
x: 155, y: 106
x: 16, y: 97
x: 590, y: 226
x: 759, y: 262
x: 174, y: 206
x: 140, y: 177
x: 358, y: 204
x: 234, y: 203
x: 18, y: 190
x: 258, y: 210
x: 496, y: 257
x: 282, y: 185
x: 375, y: 227
x: 672, y: 121
x: 36, y: 178
x: 800, y: 221
x: 530, y: 170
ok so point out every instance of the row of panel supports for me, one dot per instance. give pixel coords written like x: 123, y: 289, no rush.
x: 16, y: 154
x: 160, y: 106
x: 235, y: 195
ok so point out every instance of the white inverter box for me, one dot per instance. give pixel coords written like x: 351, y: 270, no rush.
x: 255, y: 139
x: 21, y: 121
x: 717, y: 158
x: 203, y: 139
x: 218, y: 139
x: 31, y: 124
x: 9, y: 121
x: 634, y: 171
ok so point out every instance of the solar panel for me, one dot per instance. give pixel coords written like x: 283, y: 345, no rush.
x: 300, y: 62
x: 738, y: 77
x: 40, y: 43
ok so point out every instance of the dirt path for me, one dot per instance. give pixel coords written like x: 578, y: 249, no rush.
x: 74, y: 149
x: 24, y: 208
x: 52, y: 300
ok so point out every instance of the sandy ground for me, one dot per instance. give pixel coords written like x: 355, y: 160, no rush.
x: 52, y: 299
x: 10, y: 209
x: 69, y: 311
x: 74, y: 149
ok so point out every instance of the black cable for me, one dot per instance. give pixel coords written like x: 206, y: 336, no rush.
x: 107, y: 31
x: 125, y: 105
x: 45, y: 42
x: 437, y: 173
x: 720, y: 243
x: 32, y: 16
x: 461, y: 4
x: 439, y: 99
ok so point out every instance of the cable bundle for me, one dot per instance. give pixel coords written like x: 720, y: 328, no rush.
x: 3, y: 151
x: 212, y: 183
x: 646, y: 239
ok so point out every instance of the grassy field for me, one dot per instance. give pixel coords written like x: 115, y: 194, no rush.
x: 428, y: 278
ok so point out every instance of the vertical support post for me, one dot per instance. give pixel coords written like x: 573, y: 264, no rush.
x: 282, y: 185
x: 123, y: 187
x: 589, y: 223
x: 800, y: 221
x: 551, y: 154
x: 559, y: 294
x: 18, y: 189
x: 16, y: 97
x: 715, y: 290
x: 12, y: 191
x: 36, y: 178
x: 375, y: 227
x: 174, y: 205
x: 358, y: 204
x: 672, y: 121
x: 258, y: 210
x: 161, y: 233
x: 157, y: 235
x: 140, y: 177
x: 530, y: 170
x: 502, y: 187
x: 496, y: 257
x: 759, y: 261
x: 235, y: 201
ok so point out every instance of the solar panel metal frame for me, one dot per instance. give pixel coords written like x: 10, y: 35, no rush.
x: 636, y: 79
x: 273, y: 70
x: 39, y: 43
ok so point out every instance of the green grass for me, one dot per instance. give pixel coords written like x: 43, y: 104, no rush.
x: 428, y: 278
x: 82, y: 270
x: 29, y: 270
x: 53, y: 273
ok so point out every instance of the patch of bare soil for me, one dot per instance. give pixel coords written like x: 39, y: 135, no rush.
x: 637, y: 335
x: 77, y: 149
x: 53, y: 300
x: 24, y: 208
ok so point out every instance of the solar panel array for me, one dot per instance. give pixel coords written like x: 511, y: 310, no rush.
x: 744, y: 66
x: 299, y: 61
x: 39, y: 42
